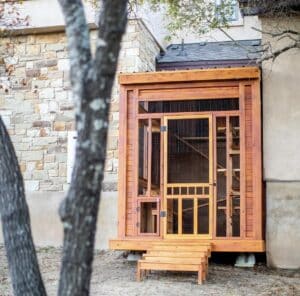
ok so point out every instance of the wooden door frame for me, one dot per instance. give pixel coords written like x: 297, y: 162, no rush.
x: 195, y: 115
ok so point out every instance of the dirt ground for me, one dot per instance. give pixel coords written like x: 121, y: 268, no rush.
x: 114, y: 275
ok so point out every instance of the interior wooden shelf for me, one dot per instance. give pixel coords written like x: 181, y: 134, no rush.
x: 234, y: 152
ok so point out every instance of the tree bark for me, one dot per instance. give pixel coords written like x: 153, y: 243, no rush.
x: 22, y: 260
x: 92, y: 80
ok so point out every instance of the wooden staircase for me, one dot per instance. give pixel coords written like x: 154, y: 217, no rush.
x: 176, y: 256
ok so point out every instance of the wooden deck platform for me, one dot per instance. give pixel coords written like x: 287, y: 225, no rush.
x: 217, y: 245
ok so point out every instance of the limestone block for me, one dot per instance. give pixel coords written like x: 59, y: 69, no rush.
x: 44, y: 71
x: 62, y: 169
x: 40, y: 175
x: 19, y: 49
x: 6, y: 120
x: 55, y: 47
x: 19, y: 95
x: 115, y: 165
x: 44, y: 141
x: 33, y: 49
x: 33, y: 73
x: 21, y: 146
x: 64, y: 65
x: 30, y: 95
x: 43, y: 108
x: 39, y: 165
x: 31, y: 185
x: 59, y: 126
x: 62, y: 54
x: 47, y: 38
x: 112, y: 143
x: 53, y: 173
x: 53, y: 106
x: 49, y: 54
x: 57, y: 82
x: 55, y: 75
x: 20, y: 72
x: 49, y: 158
x: 50, y: 165
x: 41, y: 123
x: 45, y: 63
x: 132, y: 52
x: 16, y: 139
x: 29, y: 65
x: 61, y: 95
x: 20, y: 131
x: 32, y: 155
x: 23, y: 166
x: 108, y: 165
x: 47, y: 93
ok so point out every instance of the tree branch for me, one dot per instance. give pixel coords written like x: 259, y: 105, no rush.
x: 92, y: 81
x: 277, y: 34
x: 21, y: 255
x: 274, y: 54
x: 78, y: 36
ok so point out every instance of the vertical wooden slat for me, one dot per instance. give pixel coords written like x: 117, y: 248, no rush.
x: 149, y: 157
x: 211, y: 176
x: 242, y: 162
x: 249, y: 197
x: 135, y: 133
x: 196, y: 215
x: 165, y: 177
x: 122, y: 164
x: 179, y: 216
x: 162, y: 192
x: 257, y: 160
x: 228, y: 179
x: 215, y: 160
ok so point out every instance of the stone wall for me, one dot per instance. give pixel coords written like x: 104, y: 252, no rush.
x: 36, y: 105
x: 281, y: 139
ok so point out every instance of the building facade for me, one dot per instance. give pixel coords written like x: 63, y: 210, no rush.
x: 36, y: 105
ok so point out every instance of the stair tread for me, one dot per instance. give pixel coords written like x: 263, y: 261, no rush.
x: 176, y: 256
x: 174, y: 259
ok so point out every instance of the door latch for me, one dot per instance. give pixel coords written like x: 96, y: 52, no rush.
x: 163, y: 214
x: 163, y: 128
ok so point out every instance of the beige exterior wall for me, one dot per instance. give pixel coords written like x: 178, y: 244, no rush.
x: 281, y: 139
x: 37, y: 108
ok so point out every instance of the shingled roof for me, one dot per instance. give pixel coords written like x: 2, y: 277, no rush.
x: 209, y: 55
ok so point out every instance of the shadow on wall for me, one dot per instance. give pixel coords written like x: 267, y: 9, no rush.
x: 47, y: 227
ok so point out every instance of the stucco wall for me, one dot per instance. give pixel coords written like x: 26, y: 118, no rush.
x: 37, y: 108
x: 281, y: 138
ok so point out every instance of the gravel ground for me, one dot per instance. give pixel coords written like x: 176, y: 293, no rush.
x: 113, y: 275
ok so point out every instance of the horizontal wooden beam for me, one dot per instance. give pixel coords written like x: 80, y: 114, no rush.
x: 189, y: 93
x: 190, y: 75
x: 218, y: 245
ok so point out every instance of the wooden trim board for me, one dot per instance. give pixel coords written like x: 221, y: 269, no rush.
x: 218, y: 245
x: 191, y: 75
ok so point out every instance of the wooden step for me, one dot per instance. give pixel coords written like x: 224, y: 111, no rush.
x: 176, y: 256
x: 175, y: 260
x: 181, y: 248
x: 185, y: 254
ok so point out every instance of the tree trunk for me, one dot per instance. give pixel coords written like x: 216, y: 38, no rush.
x: 92, y: 80
x: 21, y: 255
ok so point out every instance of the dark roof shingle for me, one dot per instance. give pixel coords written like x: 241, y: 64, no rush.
x: 211, y: 53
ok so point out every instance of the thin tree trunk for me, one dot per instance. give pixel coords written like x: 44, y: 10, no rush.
x: 92, y: 80
x: 21, y: 255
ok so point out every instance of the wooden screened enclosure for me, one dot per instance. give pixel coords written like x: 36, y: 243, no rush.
x: 190, y: 159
